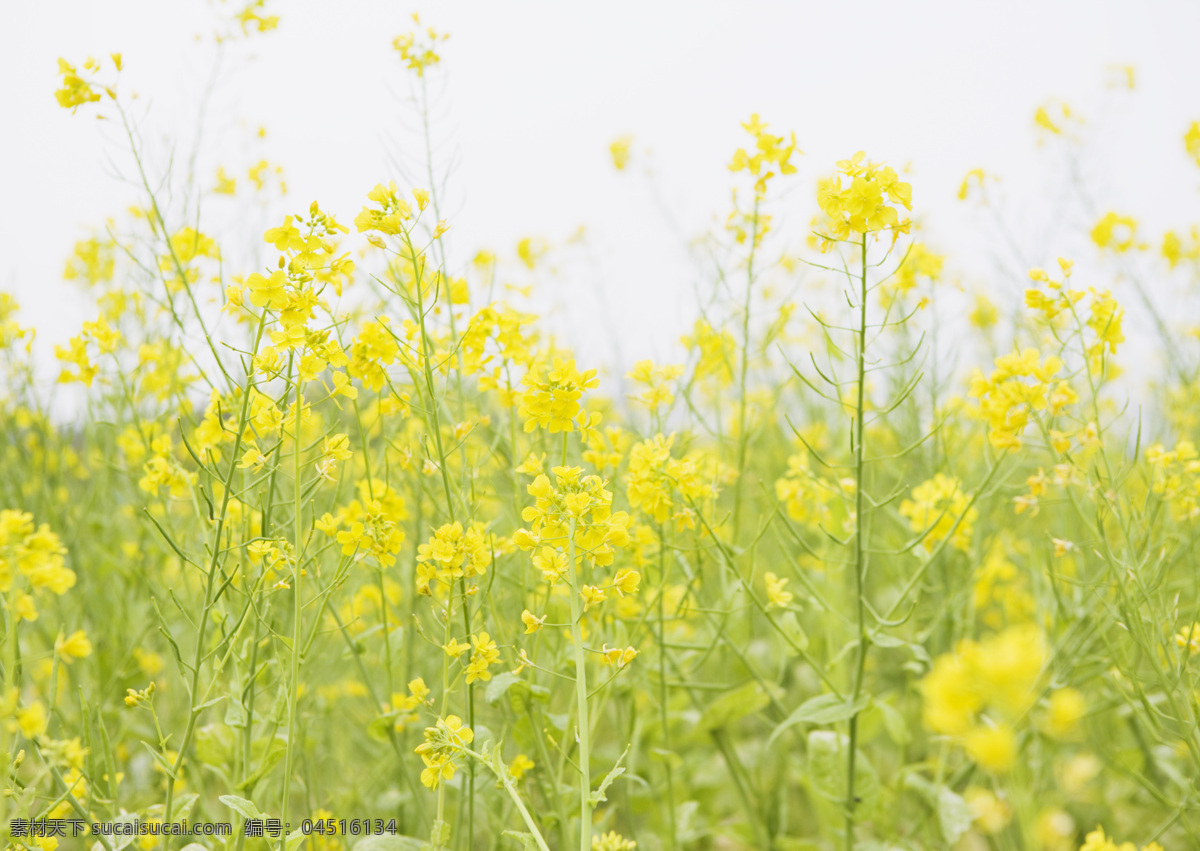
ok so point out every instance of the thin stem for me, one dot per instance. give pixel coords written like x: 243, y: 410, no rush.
x: 859, y: 549
x: 297, y: 614
x: 581, y: 693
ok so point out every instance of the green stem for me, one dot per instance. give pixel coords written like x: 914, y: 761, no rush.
x: 297, y: 614
x: 859, y: 551
x: 581, y: 694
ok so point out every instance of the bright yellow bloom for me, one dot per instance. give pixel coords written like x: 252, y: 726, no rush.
x: 777, y: 597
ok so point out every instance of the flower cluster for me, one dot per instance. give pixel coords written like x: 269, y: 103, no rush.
x: 37, y: 554
x: 443, y: 742
x: 1175, y: 477
x: 653, y: 474
x: 417, y: 49
x: 769, y: 157
x: 976, y: 693
x: 452, y: 553
x: 939, y: 506
x: 1098, y: 841
x: 76, y: 90
x: 551, y: 397
x: 859, y: 199
x: 1021, y: 384
x: 369, y: 525
x: 572, y: 498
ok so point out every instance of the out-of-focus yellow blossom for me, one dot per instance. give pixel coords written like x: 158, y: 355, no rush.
x: 1055, y: 117
x: 75, y: 646
x: 716, y: 352
x: 777, y: 596
x: 1179, y: 248
x: 76, y: 91
x: 619, y: 150
x: 92, y: 262
x: 1096, y: 840
x: 1188, y: 638
x: 976, y: 692
x: 1055, y: 830
x: 937, y: 505
x: 519, y: 765
x: 1063, y: 712
x: 1115, y: 232
x: 653, y: 475
x: 1191, y: 142
x: 612, y: 841
x: 769, y: 157
x: 37, y: 554
x: 418, y: 49
x: 920, y: 262
x: 1001, y: 592
x: 988, y: 810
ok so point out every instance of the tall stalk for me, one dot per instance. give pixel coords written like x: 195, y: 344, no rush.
x: 860, y: 558
x: 581, y: 695
x: 297, y: 612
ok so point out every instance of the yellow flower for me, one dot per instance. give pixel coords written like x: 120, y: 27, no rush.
x: 619, y: 150
x: 76, y: 646
x: 1115, y: 232
x: 551, y: 398
x: 937, y: 506
x: 591, y: 596
x: 777, y: 597
x: 75, y: 90
x: 532, y: 622
x: 626, y: 581
x: 612, y: 841
x: 1067, y: 706
x: 863, y: 203
x: 994, y: 748
x: 519, y: 766
x: 1189, y: 638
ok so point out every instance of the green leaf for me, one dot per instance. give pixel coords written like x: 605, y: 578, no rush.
x: 246, y: 808
x: 215, y: 744
x: 894, y: 723
x: 827, y: 770
x: 379, y: 727
x: 528, y: 843
x: 598, y: 797
x: 735, y: 705
x: 954, y: 814
x: 162, y: 761
x: 792, y: 629
x: 275, y: 750
x: 822, y: 709
x: 235, y: 714
x: 498, y: 685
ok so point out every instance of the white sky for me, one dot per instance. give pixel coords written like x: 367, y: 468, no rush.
x: 536, y: 91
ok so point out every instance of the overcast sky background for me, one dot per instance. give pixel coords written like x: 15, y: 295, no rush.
x: 534, y: 93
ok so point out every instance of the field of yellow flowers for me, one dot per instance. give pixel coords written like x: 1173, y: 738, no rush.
x: 349, y: 551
